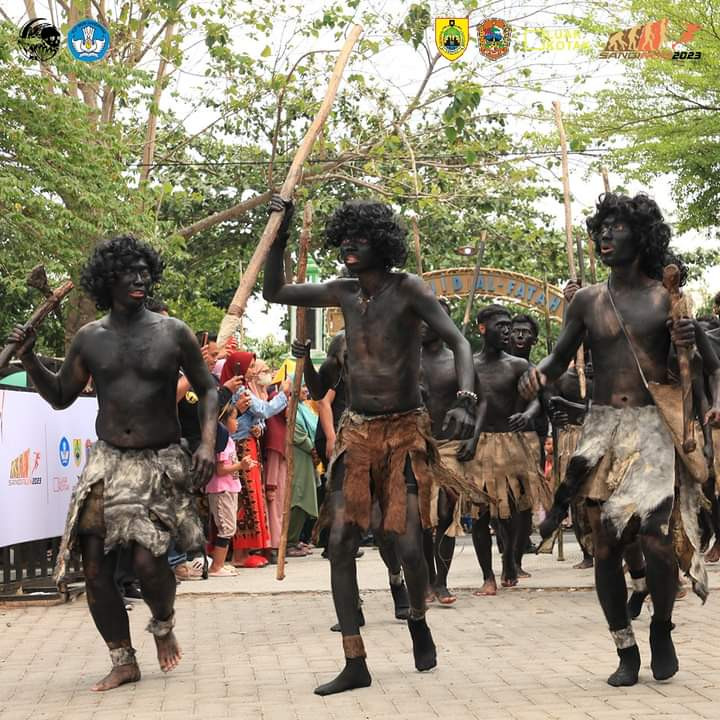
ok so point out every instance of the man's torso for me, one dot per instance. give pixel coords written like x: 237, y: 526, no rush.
x: 440, y: 382
x: 497, y: 380
x: 383, y: 341
x: 135, y: 372
x: 644, y: 311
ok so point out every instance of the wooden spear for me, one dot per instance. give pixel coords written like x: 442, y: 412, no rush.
x: 580, y: 357
x: 247, y: 282
x: 479, y: 254
x: 300, y: 318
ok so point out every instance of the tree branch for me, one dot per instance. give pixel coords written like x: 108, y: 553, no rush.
x: 640, y: 121
x: 151, y: 132
x: 232, y: 213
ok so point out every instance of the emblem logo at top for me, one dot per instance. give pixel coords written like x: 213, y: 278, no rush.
x: 39, y: 40
x: 88, y: 41
x: 494, y: 37
x: 452, y: 36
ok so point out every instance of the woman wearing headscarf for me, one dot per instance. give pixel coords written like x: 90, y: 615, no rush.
x: 304, y: 481
x: 253, y: 532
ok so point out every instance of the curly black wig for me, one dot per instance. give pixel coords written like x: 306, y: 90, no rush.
x: 650, y: 229
x: 530, y: 320
x: 373, y: 221
x: 109, y: 259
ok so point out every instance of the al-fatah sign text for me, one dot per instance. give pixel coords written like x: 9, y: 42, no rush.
x: 526, y: 291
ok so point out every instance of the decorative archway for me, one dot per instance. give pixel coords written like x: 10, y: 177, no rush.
x: 523, y: 290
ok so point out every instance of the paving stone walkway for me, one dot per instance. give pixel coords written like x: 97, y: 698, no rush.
x: 530, y: 653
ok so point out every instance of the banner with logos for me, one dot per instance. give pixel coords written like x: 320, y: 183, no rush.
x: 42, y: 454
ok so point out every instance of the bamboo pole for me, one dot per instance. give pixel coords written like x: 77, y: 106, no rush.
x: 591, y: 258
x: 479, y: 254
x: 606, y: 179
x: 581, y: 260
x: 247, y: 282
x: 591, y: 243
x: 297, y: 383
x: 580, y: 357
x: 418, y: 252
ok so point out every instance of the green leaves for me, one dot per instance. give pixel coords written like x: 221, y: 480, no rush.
x: 662, y: 120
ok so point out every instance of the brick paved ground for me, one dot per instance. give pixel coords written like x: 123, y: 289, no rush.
x: 530, y: 653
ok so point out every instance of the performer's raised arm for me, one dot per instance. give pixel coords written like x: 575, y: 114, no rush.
x: 275, y: 289
x: 60, y: 389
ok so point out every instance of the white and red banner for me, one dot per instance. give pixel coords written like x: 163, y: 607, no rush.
x: 42, y: 453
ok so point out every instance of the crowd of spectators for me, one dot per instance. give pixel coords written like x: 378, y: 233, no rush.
x: 243, y: 503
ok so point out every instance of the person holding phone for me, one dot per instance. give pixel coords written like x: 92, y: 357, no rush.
x: 253, y: 531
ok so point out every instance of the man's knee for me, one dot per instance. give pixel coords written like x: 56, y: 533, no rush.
x: 92, y: 570
x: 604, y: 551
x: 342, y: 547
x: 411, y: 555
x: 148, y: 567
x: 658, y: 549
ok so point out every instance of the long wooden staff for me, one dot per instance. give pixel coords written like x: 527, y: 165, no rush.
x: 547, y: 545
x: 606, y: 179
x: 247, y: 282
x: 479, y: 254
x: 580, y: 357
x: 416, y: 240
x: 300, y: 318
x: 591, y: 242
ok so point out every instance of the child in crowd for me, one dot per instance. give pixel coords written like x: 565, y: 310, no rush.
x: 222, y: 491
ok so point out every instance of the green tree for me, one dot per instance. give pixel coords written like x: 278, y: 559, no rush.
x: 91, y: 149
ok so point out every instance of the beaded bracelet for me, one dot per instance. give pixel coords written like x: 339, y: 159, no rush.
x: 467, y: 394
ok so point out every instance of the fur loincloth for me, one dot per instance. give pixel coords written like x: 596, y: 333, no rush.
x: 127, y: 495
x: 376, y: 448
x: 506, y: 467
x: 626, y: 459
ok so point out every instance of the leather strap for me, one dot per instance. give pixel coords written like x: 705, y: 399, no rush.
x: 627, y: 335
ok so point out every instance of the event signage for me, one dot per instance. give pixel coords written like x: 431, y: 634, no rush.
x: 40, y: 463
x: 524, y: 290
x: 648, y: 41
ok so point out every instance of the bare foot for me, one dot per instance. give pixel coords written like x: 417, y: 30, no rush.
x: 584, y: 564
x: 509, y: 582
x: 168, y: 651
x: 713, y: 555
x: 444, y: 596
x: 118, y: 676
x: 430, y: 596
x: 523, y: 573
x: 489, y: 587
